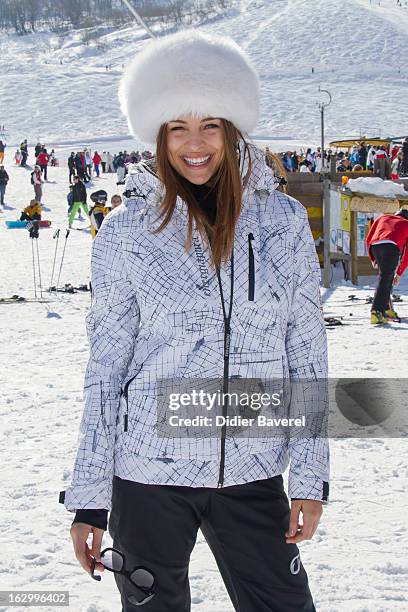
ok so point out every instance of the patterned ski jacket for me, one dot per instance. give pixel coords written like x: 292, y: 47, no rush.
x: 157, y: 314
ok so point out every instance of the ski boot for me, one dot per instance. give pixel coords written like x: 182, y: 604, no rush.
x: 391, y: 315
x: 377, y: 318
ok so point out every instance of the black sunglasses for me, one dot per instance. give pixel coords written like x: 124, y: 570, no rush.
x: 140, y: 577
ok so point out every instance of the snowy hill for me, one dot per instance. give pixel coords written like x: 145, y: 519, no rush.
x: 57, y: 88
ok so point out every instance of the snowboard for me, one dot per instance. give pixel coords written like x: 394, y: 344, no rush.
x: 23, y: 224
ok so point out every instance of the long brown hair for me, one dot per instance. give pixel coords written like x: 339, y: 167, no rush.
x: 228, y: 185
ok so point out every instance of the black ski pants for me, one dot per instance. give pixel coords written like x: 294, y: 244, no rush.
x: 244, y: 525
x: 387, y: 257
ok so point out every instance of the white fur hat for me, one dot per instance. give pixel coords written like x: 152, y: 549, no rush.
x: 189, y: 73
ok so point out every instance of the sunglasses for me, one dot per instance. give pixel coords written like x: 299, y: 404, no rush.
x: 140, y: 577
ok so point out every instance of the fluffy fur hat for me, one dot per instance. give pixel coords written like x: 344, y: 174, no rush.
x: 189, y: 73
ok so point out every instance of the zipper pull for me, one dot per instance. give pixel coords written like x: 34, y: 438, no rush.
x: 251, y: 269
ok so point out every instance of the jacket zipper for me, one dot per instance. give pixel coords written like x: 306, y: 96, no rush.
x: 225, y: 385
x: 251, y: 269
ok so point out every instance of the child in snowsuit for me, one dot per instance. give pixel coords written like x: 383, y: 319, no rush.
x: 32, y: 213
x: 99, y: 210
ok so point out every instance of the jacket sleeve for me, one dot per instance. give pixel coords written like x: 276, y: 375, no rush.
x: 306, y: 350
x: 112, y: 326
x: 403, y: 264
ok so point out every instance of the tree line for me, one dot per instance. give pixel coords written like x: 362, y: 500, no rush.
x: 25, y: 16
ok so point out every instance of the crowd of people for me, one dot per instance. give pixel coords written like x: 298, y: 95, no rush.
x: 85, y: 163
x: 387, y: 162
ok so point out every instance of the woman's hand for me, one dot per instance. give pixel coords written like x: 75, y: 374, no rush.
x: 311, y: 510
x: 84, y: 554
x: 374, y: 264
x: 396, y: 280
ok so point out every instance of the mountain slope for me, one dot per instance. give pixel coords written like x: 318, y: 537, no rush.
x: 58, y: 88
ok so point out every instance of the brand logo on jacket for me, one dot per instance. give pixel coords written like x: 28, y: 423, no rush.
x: 202, y: 266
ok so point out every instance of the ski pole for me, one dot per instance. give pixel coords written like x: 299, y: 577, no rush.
x: 35, y: 281
x: 56, y: 235
x: 39, y: 267
x: 62, y: 258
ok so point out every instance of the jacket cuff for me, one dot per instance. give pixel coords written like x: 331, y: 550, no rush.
x: 92, y: 496
x: 96, y: 518
x: 308, y: 488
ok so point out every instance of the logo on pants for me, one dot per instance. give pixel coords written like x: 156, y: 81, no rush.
x: 295, y: 565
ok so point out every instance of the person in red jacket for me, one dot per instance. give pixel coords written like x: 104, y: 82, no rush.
x: 387, y: 246
x: 97, y: 162
x: 42, y: 160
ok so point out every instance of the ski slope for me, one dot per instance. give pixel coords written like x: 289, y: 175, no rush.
x: 356, y: 561
x: 55, y: 88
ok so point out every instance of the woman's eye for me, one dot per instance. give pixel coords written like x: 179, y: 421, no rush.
x: 211, y: 126
x: 176, y: 127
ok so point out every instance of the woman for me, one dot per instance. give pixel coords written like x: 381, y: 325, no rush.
x: 37, y: 181
x: 205, y: 277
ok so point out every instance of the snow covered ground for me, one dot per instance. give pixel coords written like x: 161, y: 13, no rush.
x: 55, y: 88
x: 357, y: 560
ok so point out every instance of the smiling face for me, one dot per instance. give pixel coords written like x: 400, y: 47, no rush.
x: 195, y: 147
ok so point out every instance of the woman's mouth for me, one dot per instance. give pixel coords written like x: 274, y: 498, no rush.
x: 197, y: 162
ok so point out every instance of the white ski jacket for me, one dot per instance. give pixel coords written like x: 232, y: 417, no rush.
x: 157, y: 313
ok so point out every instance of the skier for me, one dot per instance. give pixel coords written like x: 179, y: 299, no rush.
x: 109, y: 162
x: 53, y: 158
x: 232, y: 268
x: 96, y: 162
x: 42, y: 160
x: 387, y: 246
x: 32, y: 213
x: 2, y: 148
x: 80, y: 165
x: 37, y: 150
x: 71, y: 166
x: 88, y: 163
x: 79, y: 197
x: 104, y: 160
x: 99, y: 210
x: 4, y: 179
x: 119, y: 163
x: 37, y: 181
x: 24, y: 153
x: 17, y: 157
